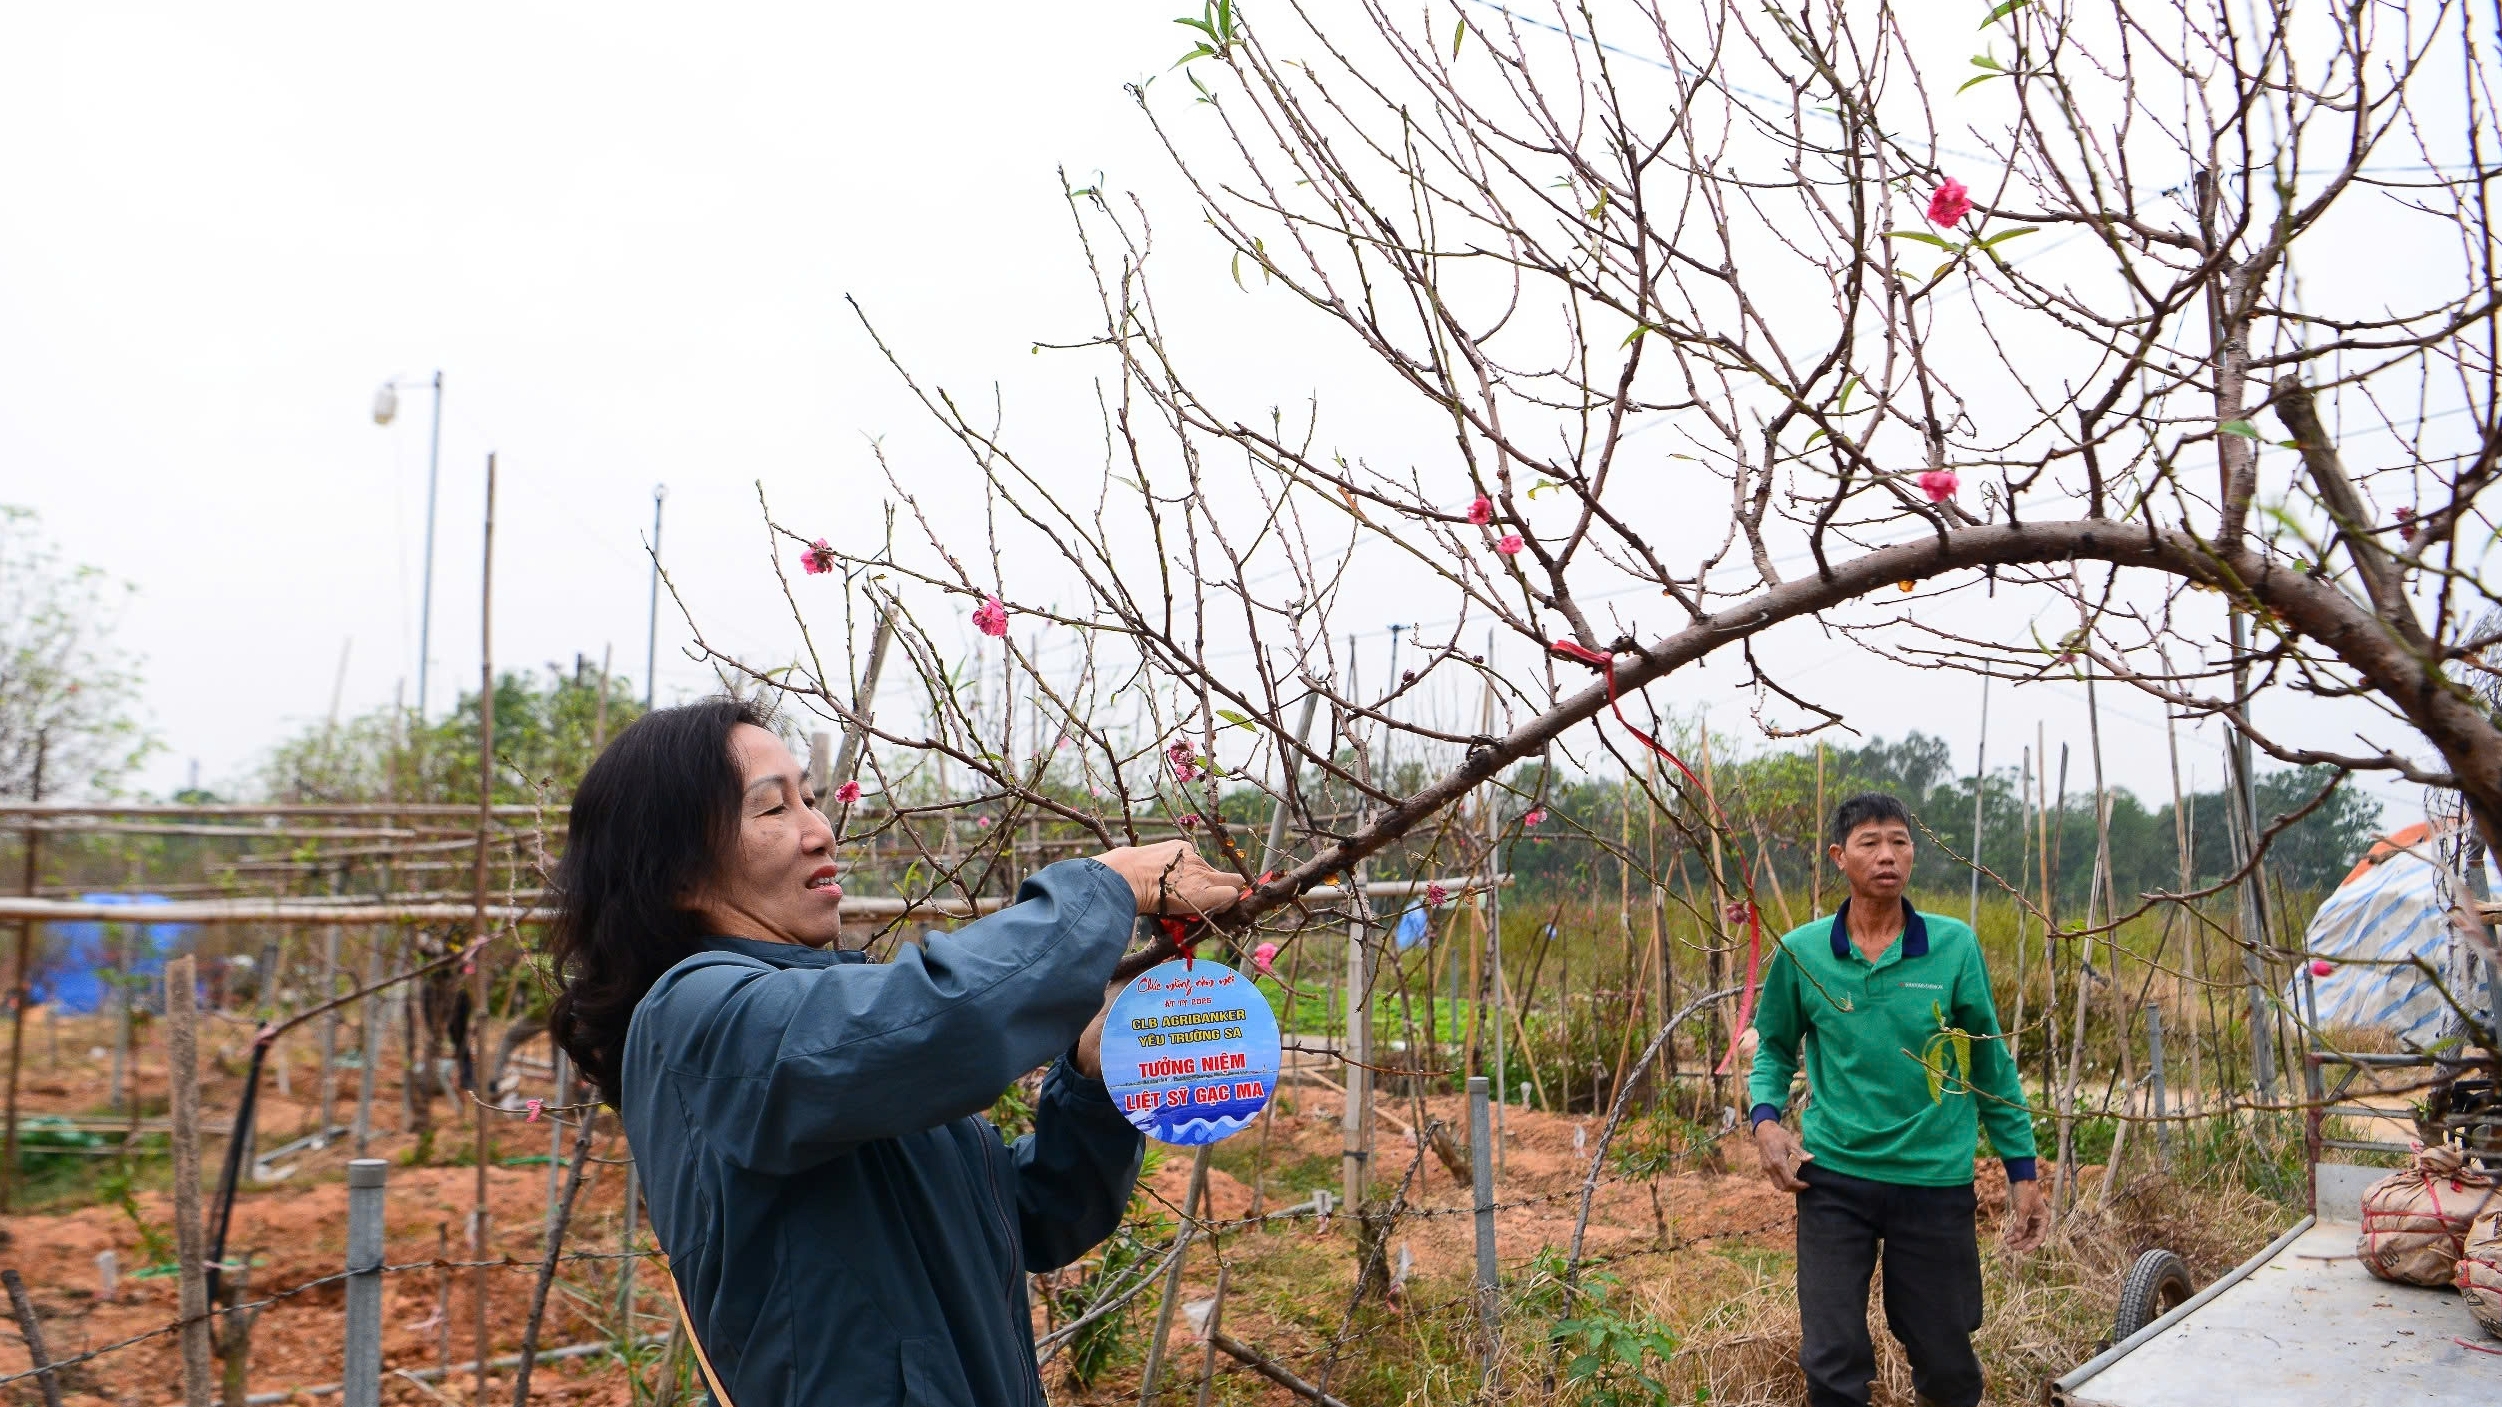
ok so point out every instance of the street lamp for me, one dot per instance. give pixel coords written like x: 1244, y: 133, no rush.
x: 651, y: 629
x: 386, y: 409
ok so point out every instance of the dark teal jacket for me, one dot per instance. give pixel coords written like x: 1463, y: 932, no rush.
x: 845, y: 1226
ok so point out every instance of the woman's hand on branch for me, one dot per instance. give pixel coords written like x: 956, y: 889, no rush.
x: 1172, y: 878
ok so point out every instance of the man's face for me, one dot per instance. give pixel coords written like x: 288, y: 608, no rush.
x: 1876, y: 858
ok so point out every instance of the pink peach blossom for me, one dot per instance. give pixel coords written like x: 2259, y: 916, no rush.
x: 1952, y: 202
x: 1264, y: 958
x: 2321, y: 967
x: 1940, y: 484
x: 847, y: 793
x: 537, y: 1106
x: 818, y: 559
x: 991, y: 617
x: 1509, y: 545
x: 1480, y: 510
x: 1436, y: 896
x: 1536, y: 816
x: 1188, y: 820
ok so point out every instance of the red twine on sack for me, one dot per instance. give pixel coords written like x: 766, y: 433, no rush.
x: 1606, y: 665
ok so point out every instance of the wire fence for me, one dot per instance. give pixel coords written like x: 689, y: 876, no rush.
x: 1115, y: 1295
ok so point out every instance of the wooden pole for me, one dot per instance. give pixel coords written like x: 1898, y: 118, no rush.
x: 2110, y: 947
x: 1980, y: 789
x: 558, y: 1216
x: 369, y: 1034
x: 326, y: 1098
x: 1716, y: 958
x: 1815, y: 852
x: 21, y: 987
x: 864, y: 701
x: 1154, y: 1369
x: 599, y: 710
x: 182, y: 1071
x: 1215, y: 1328
x: 479, y: 1230
x: 30, y: 1329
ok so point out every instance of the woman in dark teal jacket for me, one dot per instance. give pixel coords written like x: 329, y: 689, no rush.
x: 844, y: 1225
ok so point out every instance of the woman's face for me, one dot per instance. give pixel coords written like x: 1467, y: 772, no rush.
x: 777, y: 882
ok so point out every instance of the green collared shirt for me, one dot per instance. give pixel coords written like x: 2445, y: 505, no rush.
x: 1866, y: 1029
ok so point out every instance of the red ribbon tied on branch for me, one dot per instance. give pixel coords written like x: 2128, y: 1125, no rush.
x: 1606, y: 665
x: 1183, y: 933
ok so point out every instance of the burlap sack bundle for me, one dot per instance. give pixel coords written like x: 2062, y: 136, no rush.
x: 2479, y: 1275
x: 2415, y: 1220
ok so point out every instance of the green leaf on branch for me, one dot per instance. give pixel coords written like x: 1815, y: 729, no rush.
x: 1990, y: 68
x: 2004, y: 10
x: 2004, y: 235
x: 2242, y: 428
x: 1924, y: 237
x: 1457, y: 34
x: 1233, y: 718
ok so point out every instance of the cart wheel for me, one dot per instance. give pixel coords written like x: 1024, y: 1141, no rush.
x: 2156, y: 1285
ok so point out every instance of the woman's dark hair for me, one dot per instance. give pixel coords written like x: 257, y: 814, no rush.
x: 652, y: 819
x: 1861, y: 809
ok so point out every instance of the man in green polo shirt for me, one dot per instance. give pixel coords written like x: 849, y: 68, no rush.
x: 1889, y: 1121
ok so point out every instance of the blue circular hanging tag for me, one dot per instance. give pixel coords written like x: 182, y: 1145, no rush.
x: 1190, y: 1052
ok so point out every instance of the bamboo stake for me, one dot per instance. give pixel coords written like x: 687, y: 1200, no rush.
x: 478, y: 926
x: 182, y: 1070
x: 2184, y: 832
x: 21, y: 988
x: 2024, y: 865
x: 2110, y: 945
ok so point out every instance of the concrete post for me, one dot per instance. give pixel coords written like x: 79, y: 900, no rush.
x: 1481, y: 1169
x: 360, y: 1379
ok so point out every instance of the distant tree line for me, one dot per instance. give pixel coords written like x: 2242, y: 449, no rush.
x: 1769, y: 800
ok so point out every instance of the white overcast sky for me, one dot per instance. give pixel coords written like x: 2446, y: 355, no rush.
x: 624, y: 234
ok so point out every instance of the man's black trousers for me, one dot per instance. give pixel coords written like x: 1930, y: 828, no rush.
x: 1932, y: 1286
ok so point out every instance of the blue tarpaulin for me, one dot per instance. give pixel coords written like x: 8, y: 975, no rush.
x: 1412, y: 928
x: 77, y: 979
x: 2390, y: 915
